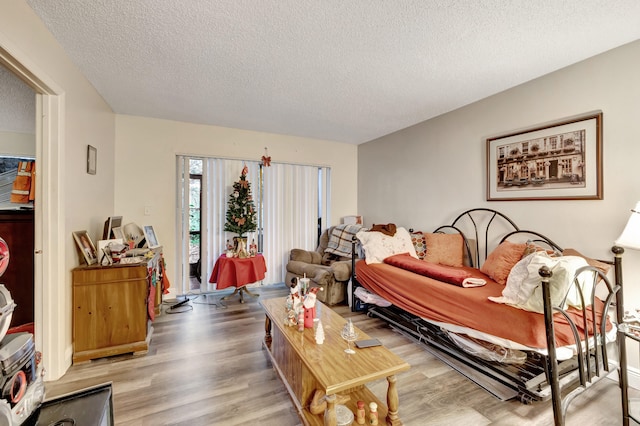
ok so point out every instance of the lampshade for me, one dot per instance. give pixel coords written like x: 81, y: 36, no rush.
x: 630, y: 237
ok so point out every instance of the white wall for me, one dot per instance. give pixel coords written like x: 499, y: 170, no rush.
x: 146, y: 152
x: 425, y: 175
x: 18, y: 144
x: 85, y: 199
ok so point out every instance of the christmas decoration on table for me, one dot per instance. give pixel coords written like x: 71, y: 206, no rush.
x: 293, y: 306
x: 241, y: 212
x: 309, y: 304
x: 266, y: 160
x: 253, y: 248
x: 301, y: 309
x: 319, y: 333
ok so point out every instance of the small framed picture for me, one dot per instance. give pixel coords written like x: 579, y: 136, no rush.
x: 150, y: 236
x: 92, y: 159
x: 104, y: 250
x: 118, y: 232
x: 86, y: 247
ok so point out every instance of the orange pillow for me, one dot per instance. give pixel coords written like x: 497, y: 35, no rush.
x: 501, y: 260
x: 445, y: 249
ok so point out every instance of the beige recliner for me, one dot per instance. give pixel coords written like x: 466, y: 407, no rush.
x: 325, y: 270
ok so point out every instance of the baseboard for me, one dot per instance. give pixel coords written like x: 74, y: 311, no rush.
x: 633, y: 374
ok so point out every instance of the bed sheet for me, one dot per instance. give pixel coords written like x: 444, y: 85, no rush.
x: 465, y: 307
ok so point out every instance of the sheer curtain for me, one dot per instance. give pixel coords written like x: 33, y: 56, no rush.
x: 293, y: 202
x: 290, y: 200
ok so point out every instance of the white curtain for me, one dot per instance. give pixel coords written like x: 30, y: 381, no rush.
x: 293, y: 198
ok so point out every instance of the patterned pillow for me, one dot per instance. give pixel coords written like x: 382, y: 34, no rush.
x: 419, y: 243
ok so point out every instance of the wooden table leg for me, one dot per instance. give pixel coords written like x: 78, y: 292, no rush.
x: 240, y: 291
x: 232, y: 294
x: 267, y: 331
x: 392, y: 402
x: 330, y: 417
x: 246, y: 290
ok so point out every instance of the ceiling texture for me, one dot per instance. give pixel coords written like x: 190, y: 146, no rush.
x: 347, y: 71
x: 17, y: 104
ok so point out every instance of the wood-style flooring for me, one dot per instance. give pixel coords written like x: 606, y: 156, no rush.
x: 206, y: 366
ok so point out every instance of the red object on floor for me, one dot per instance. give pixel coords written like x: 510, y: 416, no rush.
x: 237, y: 272
x: 24, y: 328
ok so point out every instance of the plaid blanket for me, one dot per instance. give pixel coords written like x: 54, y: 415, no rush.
x: 340, y: 240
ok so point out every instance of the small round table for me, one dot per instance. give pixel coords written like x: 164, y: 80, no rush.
x: 238, y: 272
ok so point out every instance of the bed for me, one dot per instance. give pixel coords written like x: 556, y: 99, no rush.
x: 530, y: 323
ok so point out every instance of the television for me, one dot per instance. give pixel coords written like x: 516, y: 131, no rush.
x: 109, y: 224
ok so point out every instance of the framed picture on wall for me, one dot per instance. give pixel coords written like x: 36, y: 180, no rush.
x: 557, y: 161
x: 92, y: 159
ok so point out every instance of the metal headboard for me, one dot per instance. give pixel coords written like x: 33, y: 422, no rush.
x: 482, y: 229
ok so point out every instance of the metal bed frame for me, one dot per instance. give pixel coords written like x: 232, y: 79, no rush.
x: 541, y: 377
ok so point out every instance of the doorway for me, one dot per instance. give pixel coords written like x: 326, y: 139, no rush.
x: 50, y: 300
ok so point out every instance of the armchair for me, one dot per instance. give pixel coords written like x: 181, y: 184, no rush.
x: 327, y: 270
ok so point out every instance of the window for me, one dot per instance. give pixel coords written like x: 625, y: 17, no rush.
x: 292, y: 204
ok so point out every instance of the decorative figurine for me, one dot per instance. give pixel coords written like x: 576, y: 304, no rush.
x: 320, y: 340
x: 293, y: 307
x: 373, y: 413
x: 309, y: 305
x: 253, y: 248
x: 360, y: 414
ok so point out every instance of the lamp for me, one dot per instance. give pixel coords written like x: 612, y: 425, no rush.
x: 630, y: 237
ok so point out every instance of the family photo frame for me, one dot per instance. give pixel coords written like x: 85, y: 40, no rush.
x: 86, y: 247
x: 150, y: 236
x: 557, y: 161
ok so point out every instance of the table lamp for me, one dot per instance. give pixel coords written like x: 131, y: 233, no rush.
x: 630, y: 237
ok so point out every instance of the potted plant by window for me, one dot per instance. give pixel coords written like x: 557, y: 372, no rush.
x: 241, y: 212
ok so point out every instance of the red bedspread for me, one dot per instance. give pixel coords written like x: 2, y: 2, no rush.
x: 467, y: 307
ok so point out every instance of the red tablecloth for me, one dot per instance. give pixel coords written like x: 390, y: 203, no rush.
x: 236, y: 272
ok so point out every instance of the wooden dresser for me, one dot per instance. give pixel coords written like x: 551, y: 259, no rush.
x: 111, y: 313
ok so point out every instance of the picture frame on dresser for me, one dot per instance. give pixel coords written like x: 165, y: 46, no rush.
x: 561, y: 160
x: 150, y: 236
x: 86, y: 247
x: 118, y: 233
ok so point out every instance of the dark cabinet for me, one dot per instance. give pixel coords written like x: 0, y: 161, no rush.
x: 17, y: 229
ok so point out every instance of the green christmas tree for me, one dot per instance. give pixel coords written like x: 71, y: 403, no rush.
x: 241, y: 212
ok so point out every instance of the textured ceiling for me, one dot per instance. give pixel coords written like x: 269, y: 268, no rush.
x: 17, y: 104
x: 348, y: 71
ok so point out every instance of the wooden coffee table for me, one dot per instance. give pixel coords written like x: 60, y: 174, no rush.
x: 306, y: 367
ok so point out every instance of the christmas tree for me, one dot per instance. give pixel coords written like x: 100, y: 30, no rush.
x: 241, y: 212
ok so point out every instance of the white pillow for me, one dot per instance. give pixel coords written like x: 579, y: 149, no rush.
x: 378, y: 246
x: 523, y: 289
x: 562, y: 281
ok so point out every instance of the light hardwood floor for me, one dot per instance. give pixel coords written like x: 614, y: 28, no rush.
x: 206, y: 366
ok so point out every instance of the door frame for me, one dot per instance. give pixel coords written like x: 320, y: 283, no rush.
x: 51, y: 292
